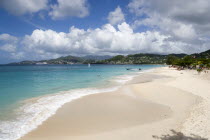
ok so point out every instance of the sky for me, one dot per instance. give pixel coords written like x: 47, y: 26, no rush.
x: 46, y: 29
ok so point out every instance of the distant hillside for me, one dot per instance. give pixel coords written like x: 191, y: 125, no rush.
x: 205, y: 54
x: 191, y: 61
x: 139, y: 59
x: 93, y: 57
x: 143, y: 58
x: 65, y: 60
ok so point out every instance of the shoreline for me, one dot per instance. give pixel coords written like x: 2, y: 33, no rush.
x: 71, y: 119
x: 35, y: 111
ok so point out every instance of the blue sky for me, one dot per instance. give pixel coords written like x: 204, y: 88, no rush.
x: 45, y: 29
x: 21, y: 25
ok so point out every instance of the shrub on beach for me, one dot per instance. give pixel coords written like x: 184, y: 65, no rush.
x: 179, y: 136
x: 199, y: 70
x: 201, y: 60
x: 188, y: 61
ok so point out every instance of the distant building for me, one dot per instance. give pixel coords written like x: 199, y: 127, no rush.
x: 41, y: 63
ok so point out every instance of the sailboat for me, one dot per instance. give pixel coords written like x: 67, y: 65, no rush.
x: 88, y: 64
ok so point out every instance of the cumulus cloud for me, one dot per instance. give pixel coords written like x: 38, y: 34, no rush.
x: 188, y: 22
x: 8, y: 43
x: 69, y: 8
x: 195, y: 14
x: 105, y: 40
x: 116, y: 16
x: 8, y: 38
x: 188, y: 11
x: 8, y: 48
x: 59, y: 10
x: 21, y: 7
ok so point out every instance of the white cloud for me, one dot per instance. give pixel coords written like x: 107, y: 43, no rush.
x: 107, y: 40
x: 187, y: 22
x: 104, y: 40
x: 8, y: 48
x: 196, y: 13
x: 21, y: 7
x: 185, y: 31
x: 7, y: 37
x: 192, y: 12
x: 62, y: 8
x: 116, y: 16
x: 69, y: 8
x: 8, y: 43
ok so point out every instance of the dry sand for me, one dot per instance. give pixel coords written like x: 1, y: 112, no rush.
x: 152, y: 103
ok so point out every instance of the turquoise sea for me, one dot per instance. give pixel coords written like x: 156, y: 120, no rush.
x: 31, y: 94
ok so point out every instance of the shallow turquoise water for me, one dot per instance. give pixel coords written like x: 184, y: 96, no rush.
x: 18, y: 83
x: 22, y: 82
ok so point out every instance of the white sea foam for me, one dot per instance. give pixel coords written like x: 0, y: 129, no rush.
x: 123, y: 79
x: 33, y: 114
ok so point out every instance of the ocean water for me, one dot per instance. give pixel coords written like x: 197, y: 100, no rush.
x: 31, y: 94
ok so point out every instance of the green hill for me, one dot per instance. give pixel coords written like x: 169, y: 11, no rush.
x: 193, y: 60
x: 65, y: 60
x: 141, y: 58
x: 205, y: 54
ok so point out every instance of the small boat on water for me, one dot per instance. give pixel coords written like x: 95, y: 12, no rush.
x: 132, y: 69
x: 88, y: 64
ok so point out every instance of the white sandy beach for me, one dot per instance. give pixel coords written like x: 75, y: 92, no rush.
x: 152, y: 103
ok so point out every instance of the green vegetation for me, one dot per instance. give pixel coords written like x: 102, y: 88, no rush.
x: 140, y: 59
x: 65, y: 60
x: 201, y: 60
x: 199, y: 70
x: 136, y: 59
x: 182, y: 60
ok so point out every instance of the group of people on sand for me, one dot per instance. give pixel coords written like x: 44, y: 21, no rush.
x: 177, y: 67
x: 206, y: 71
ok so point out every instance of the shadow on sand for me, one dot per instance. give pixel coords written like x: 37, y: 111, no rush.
x: 179, y: 136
